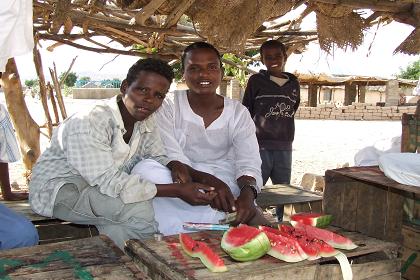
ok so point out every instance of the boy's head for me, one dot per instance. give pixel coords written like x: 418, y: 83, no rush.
x: 145, y: 87
x: 273, y: 56
x: 202, y: 68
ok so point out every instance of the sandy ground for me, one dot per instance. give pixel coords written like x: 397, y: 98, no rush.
x: 319, y: 144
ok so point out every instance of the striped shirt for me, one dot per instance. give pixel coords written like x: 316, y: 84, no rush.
x: 90, y: 146
x: 9, y: 150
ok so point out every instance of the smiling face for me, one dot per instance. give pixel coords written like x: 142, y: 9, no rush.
x: 145, y: 94
x: 202, y: 71
x: 274, y: 59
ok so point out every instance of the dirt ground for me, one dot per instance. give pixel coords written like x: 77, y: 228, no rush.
x: 319, y: 144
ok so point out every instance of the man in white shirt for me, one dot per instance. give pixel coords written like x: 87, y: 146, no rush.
x: 84, y: 176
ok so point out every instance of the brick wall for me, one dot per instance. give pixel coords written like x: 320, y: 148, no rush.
x: 356, y: 111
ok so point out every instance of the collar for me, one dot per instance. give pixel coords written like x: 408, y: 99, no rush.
x: 144, y: 126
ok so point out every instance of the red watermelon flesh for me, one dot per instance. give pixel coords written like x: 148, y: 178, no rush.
x: 312, y: 219
x: 198, y: 249
x: 282, y: 247
x: 333, y: 239
x: 313, y: 247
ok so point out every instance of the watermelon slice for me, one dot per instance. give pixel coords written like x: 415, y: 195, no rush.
x: 245, y: 243
x: 198, y: 249
x: 333, y: 239
x: 282, y: 247
x: 312, y: 219
x: 313, y: 247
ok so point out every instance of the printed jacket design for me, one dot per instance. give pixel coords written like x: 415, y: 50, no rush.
x: 273, y: 109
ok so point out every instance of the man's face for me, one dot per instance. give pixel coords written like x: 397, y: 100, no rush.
x: 273, y: 58
x: 202, y: 71
x: 145, y: 94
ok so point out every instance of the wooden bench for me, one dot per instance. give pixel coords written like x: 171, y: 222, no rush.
x: 89, y: 258
x: 50, y: 229
x: 165, y: 259
x: 293, y: 199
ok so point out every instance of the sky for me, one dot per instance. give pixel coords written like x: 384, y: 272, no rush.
x: 379, y: 61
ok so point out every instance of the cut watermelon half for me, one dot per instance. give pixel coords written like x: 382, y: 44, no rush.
x: 312, y: 219
x: 282, y: 247
x: 245, y: 243
x: 198, y: 249
x: 333, y: 239
x: 313, y: 247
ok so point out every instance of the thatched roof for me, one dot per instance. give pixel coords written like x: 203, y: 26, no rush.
x: 165, y: 27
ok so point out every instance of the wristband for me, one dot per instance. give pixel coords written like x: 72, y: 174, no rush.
x: 253, y: 187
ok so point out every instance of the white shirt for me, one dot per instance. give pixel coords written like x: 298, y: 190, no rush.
x: 227, y: 149
x: 90, y: 147
x: 9, y: 150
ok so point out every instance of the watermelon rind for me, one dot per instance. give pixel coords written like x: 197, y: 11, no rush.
x: 313, y: 219
x: 198, y: 249
x: 333, y: 239
x: 253, y: 249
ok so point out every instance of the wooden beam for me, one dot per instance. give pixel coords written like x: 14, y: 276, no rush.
x: 147, y: 11
x: 27, y: 130
x: 176, y: 14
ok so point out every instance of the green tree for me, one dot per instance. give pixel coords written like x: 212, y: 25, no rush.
x: 70, y: 79
x: 411, y: 72
x: 31, y: 83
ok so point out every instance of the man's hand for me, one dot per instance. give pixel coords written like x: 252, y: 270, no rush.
x: 179, y: 171
x: 196, y: 193
x: 224, y: 201
x: 245, y: 207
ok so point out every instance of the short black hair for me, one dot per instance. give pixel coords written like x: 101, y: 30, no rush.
x: 199, y: 45
x: 273, y: 44
x: 152, y: 65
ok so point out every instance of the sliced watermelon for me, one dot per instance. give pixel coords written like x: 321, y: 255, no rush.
x: 313, y: 247
x: 312, y: 219
x: 198, y: 249
x: 282, y: 247
x: 333, y: 239
x: 245, y: 243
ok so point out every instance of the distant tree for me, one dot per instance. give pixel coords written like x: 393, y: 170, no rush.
x: 70, y: 79
x: 176, y: 67
x: 84, y: 79
x: 108, y: 83
x: 31, y: 83
x: 411, y: 72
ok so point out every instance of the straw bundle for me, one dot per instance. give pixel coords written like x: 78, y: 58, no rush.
x: 228, y: 24
x: 411, y: 45
x: 338, y: 25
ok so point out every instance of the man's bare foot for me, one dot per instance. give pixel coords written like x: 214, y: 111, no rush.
x: 14, y: 196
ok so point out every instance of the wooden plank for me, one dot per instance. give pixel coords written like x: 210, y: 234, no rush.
x: 411, y: 237
x: 96, y: 257
x: 333, y: 196
x: 349, y: 205
x: 394, y: 217
x: 373, y: 175
x: 63, y: 231
x: 412, y: 273
x: 22, y: 207
x: 391, y: 276
x: 285, y: 194
x: 366, y: 270
x: 166, y: 260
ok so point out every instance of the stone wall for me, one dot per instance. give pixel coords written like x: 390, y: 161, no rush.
x: 94, y: 93
x: 356, y: 111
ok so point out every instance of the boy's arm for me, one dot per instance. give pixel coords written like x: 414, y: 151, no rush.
x: 249, y: 95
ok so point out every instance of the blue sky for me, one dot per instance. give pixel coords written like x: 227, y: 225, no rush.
x: 379, y: 61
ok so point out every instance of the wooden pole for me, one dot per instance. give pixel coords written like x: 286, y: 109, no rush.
x: 42, y: 89
x: 57, y: 88
x: 27, y: 130
x: 53, y: 103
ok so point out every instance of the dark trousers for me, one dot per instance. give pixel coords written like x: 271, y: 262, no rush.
x: 277, y: 165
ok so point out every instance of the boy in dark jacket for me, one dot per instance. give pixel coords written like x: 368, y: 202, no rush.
x: 272, y: 97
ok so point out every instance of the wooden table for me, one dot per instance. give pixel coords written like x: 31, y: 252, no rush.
x: 165, y: 259
x: 89, y: 258
x: 293, y: 199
